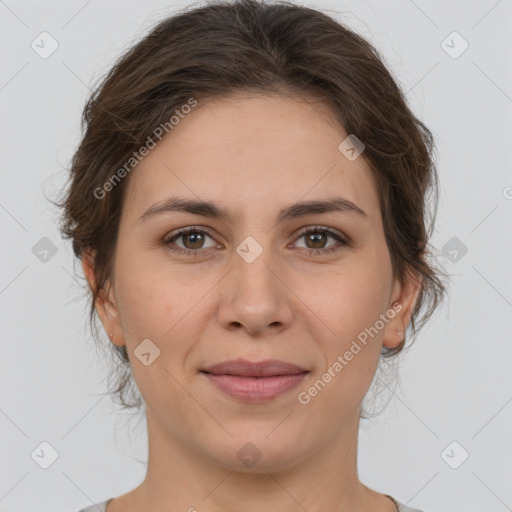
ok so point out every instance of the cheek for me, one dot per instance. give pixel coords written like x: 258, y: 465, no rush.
x: 153, y: 309
x: 151, y: 294
x: 351, y: 305
x: 350, y: 301
x: 165, y: 307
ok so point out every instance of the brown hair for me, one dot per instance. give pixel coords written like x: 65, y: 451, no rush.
x: 249, y: 45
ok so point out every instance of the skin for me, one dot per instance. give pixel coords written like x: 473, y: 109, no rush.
x: 252, y: 154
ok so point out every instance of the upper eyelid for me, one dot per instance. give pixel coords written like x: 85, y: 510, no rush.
x: 183, y: 231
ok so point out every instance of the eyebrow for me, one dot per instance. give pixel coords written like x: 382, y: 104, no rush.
x: 212, y: 209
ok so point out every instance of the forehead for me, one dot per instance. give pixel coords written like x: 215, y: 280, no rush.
x: 253, y: 153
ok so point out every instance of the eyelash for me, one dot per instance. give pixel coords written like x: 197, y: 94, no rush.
x: 315, y: 229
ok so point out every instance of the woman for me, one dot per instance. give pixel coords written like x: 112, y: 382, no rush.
x: 249, y: 206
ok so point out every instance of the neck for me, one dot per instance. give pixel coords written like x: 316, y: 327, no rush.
x: 181, y: 478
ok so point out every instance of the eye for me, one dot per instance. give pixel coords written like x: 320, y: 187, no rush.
x: 317, y: 237
x: 193, y: 238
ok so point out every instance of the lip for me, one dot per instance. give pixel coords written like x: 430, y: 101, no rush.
x: 245, y: 368
x: 255, y: 381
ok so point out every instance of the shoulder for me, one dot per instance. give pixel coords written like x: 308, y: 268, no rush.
x: 97, y: 507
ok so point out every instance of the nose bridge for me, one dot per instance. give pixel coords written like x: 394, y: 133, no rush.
x: 254, y: 296
x: 253, y: 261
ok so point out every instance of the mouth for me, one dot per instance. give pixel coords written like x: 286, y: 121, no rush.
x: 255, y: 381
x: 244, y: 368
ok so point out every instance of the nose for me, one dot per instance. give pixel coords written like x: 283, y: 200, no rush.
x: 254, y: 296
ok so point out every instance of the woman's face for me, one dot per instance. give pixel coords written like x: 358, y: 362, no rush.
x: 252, y: 285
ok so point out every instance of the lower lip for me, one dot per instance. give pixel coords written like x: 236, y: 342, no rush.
x: 255, y: 389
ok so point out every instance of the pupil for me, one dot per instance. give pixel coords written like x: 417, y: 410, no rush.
x: 316, y: 235
x: 198, y: 237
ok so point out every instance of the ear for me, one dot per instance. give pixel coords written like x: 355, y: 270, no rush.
x: 105, y: 303
x: 404, y: 299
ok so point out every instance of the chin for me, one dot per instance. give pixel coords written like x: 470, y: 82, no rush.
x: 259, y: 452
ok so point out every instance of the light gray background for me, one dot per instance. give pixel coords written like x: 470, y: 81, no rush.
x: 455, y: 381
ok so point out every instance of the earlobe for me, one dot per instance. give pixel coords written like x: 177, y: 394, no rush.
x: 405, y: 298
